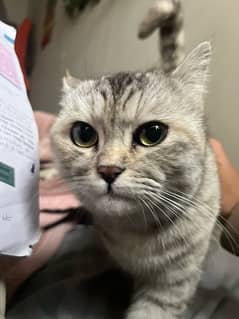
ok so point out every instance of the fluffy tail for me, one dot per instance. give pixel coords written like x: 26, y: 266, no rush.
x: 167, y: 16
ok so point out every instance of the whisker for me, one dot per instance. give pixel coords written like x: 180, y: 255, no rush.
x: 148, y: 205
x: 172, y: 211
x: 205, y: 209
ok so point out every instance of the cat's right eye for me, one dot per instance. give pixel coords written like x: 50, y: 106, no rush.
x: 150, y: 134
x: 83, y: 135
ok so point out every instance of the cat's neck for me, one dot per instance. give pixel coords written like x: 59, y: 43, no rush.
x: 132, y: 225
x: 131, y: 244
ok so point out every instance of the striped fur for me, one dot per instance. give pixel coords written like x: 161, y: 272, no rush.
x: 166, y: 15
x: 158, y: 225
x: 157, y: 221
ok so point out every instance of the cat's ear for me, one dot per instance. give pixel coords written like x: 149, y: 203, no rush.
x: 193, y: 71
x: 69, y: 82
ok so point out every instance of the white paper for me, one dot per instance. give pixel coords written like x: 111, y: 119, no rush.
x: 19, y: 158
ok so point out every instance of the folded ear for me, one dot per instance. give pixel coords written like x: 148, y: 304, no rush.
x: 69, y: 82
x: 193, y: 71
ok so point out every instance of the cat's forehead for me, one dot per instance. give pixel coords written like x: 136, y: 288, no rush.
x: 135, y: 97
x: 124, y: 84
x: 123, y: 95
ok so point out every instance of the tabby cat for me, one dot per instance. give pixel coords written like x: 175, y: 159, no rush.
x: 134, y: 148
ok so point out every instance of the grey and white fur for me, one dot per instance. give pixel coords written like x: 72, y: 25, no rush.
x: 167, y: 17
x: 156, y: 219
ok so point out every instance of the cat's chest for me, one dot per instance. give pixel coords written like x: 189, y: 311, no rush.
x: 132, y: 253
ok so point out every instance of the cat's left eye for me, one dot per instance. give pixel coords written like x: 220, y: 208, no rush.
x: 150, y: 134
x: 83, y: 135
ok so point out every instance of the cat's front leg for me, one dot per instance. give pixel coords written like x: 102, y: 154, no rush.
x: 158, y: 302
x: 144, y: 309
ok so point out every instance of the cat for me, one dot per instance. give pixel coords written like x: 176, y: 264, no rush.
x: 133, y: 146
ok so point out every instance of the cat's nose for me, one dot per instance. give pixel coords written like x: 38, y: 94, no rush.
x: 109, y: 173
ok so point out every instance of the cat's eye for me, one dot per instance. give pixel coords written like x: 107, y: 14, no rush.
x: 83, y: 135
x: 151, y: 133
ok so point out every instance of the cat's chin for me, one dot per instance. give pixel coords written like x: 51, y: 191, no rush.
x: 110, y: 204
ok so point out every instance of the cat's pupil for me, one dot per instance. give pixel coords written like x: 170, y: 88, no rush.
x: 153, y: 133
x: 83, y: 135
x: 150, y: 134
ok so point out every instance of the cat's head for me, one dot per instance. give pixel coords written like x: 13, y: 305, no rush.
x: 125, y: 142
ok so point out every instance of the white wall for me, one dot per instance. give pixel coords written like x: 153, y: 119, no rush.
x: 17, y: 10
x: 104, y: 40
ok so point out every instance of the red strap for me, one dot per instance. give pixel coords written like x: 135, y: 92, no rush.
x: 21, y: 44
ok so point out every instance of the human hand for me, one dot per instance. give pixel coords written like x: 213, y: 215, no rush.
x: 15, y: 270
x: 229, y: 178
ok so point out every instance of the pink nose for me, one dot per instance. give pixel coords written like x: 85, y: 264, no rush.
x: 109, y: 173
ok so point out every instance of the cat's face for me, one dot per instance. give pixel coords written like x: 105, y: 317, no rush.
x: 128, y: 141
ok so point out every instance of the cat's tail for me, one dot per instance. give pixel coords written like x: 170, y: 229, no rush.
x: 166, y: 15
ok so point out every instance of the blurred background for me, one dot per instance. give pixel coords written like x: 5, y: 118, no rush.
x: 102, y: 38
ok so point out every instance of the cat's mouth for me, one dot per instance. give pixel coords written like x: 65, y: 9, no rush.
x: 111, y: 193
x: 109, y: 189
x: 114, y: 192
